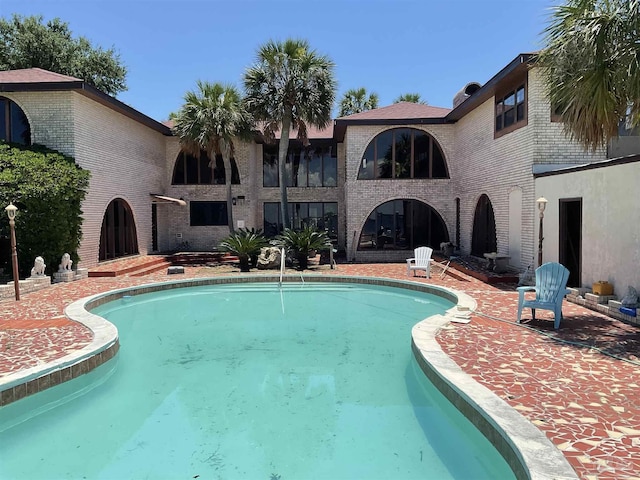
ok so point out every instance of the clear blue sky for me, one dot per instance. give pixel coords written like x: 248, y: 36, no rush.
x: 431, y: 47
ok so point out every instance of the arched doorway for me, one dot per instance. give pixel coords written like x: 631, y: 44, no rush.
x: 403, y: 224
x: 118, y: 234
x: 484, y: 238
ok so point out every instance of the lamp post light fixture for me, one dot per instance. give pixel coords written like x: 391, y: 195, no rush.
x: 11, y: 210
x: 542, y: 203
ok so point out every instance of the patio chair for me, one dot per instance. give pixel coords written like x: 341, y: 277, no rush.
x: 550, y: 288
x: 421, y: 261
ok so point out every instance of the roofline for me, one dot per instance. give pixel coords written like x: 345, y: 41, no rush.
x: 590, y: 166
x: 488, y: 89
x: 340, y: 125
x: 89, y: 91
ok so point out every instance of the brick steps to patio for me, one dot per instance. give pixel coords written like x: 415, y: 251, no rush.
x: 135, y: 266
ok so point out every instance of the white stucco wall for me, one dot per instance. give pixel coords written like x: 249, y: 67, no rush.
x: 610, y: 221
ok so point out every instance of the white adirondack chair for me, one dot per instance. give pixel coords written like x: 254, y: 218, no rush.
x: 421, y: 261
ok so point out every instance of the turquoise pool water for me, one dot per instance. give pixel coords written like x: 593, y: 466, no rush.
x: 252, y: 381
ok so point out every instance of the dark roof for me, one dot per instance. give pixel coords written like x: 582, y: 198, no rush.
x: 399, y: 111
x: 37, y: 79
x: 591, y: 166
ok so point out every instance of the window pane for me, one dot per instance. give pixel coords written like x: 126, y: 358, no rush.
x: 300, y: 214
x: 384, y: 143
x: 315, y: 168
x: 20, y: 132
x: 520, y: 104
x: 3, y: 119
x: 499, y: 112
x: 509, y: 101
x: 205, y: 169
x: 403, y: 152
x: 292, y: 158
x: 439, y: 167
x: 178, y: 171
x: 192, y: 169
x: 270, y: 166
x: 272, y: 223
x: 367, y: 163
x: 235, y: 174
x: 509, y: 117
x: 208, y: 213
x: 330, y: 170
x: 302, y: 167
x: 421, y: 155
x: 520, y: 95
x: 385, y: 221
x: 330, y: 219
x: 218, y: 171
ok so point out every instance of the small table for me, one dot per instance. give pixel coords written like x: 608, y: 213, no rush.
x: 496, y: 262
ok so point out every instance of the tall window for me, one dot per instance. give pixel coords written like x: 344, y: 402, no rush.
x: 305, y: 167
x: 403, y: 153
x: 403, y: 225
x: 511, y: 110
x: 321, y: 215
x: 208, y: 213
x: 14, y: 126
x: 190, y: 170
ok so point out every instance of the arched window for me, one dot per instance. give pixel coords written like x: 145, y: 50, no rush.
x: 403, y: 225
x: 118, y: 234
x: 14, y: 126
x: 403, y: 153
x: 189, y: 170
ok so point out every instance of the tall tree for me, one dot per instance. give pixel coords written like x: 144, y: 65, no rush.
x: 210, y: 119
x: 289, y: 86
x: 356, y: 100
x: 27, y: 42
x: 591, y: 62
x: 410, y: 97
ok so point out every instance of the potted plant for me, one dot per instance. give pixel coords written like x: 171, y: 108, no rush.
x: 244, y: 243
x: 301, y: 242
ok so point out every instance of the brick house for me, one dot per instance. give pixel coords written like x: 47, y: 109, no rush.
x: 381, y: 182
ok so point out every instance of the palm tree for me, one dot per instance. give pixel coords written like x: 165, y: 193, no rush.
x: 591, y: 67
x: 356, y: 100
x: 410, y: 97
x: 289, y: 86
x: 210, y: 119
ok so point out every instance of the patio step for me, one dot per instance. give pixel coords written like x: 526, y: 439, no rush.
x: 135, y: 267
x: 150, y: 269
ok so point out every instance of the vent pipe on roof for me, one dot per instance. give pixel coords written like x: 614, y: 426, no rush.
x: 468, y: 90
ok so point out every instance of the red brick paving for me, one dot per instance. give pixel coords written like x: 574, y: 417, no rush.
x: 562, y: 381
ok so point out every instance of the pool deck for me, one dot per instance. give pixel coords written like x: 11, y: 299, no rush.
x: 579, y: 385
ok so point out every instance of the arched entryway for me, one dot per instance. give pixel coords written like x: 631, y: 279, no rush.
x: 484, y: 238
x: 118, y: 234
x: 403, y: 224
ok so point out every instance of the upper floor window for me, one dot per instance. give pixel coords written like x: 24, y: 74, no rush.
x: 189, y: 170
x: 14, y: 126
x: 316, y: 166
x: 403, y: 153
x: 511, y: 110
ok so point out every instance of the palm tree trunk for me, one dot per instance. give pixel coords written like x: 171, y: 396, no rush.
x: 282, y: 157
x: 227, y: 182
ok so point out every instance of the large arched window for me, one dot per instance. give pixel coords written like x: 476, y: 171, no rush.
x: 189, y: 170
x: 403, y: 225
x: 403, y: 153
x: 14, y: 126
x: 118, y: 234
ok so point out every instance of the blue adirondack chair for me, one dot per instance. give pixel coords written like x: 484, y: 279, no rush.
x: 550, y: 288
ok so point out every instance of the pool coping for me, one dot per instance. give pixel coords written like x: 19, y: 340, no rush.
x: 526, y: 449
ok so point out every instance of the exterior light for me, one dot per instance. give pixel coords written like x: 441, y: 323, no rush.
x: 542, y: 203
x: 11, y: 210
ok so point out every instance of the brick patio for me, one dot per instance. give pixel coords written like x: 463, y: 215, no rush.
x: 578, y: 385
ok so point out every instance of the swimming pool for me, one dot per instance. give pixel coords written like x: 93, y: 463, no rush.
x: 253, y: 381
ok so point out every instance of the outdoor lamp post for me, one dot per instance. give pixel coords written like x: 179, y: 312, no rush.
x: 542, y: 203
x: 11, y: 210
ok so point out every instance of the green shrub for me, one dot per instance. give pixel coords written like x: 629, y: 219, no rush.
x: 301, y: 242
x: 48, y: 188
x: 244, y: 243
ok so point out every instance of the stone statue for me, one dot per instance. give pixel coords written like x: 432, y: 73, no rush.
x: 65, y: 263
x: 38, y: 267
x: 631, y: 298
x: 269, y: 258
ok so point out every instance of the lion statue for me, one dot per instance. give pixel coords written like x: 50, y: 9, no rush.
x: 65, y: 263
x: 38, y: 267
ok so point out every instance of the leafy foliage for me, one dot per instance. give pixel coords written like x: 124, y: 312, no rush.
x: 592, y: 67
x: 356, y: 100
x: 48, y: 189
x: 27, y: 42
x: 289, y: 86
x: 410, y: 97
x: 301, y: 242
x: 244, y: 243
x: 210, y: 119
